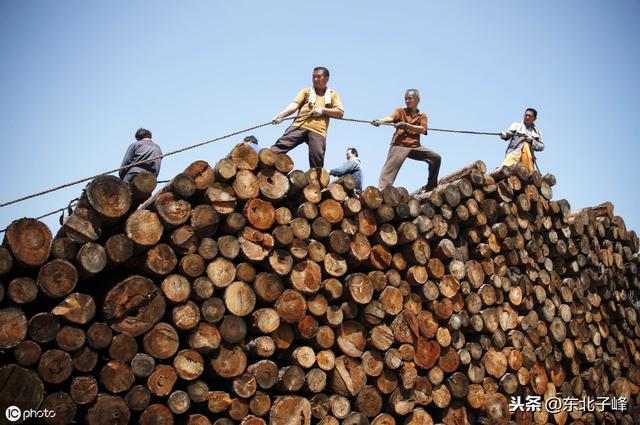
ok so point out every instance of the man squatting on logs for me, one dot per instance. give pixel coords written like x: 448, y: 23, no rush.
x: 410, y: 123
x: 524, y: 136
x: 351, y: 166
x: 315, y: 106
x: 252, y: 142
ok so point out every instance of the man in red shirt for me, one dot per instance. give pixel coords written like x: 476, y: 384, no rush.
x: 410, y: 123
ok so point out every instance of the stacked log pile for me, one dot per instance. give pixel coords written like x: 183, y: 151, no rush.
x: 253, y: 293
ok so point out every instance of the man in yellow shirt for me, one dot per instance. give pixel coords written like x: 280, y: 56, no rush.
x: 315, y: 106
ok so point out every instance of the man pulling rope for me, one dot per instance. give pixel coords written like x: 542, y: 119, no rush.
x: 524, y: 138
x: 315, y: 106
x: 410, y: 123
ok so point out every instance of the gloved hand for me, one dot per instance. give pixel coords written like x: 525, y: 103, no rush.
x: 403, y: 125
x: 375, y: 123
x: 277, y: 119
x: 504, y: 135
x: 317, y: 113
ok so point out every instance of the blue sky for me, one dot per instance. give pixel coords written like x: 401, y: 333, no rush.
x: 79, y: 77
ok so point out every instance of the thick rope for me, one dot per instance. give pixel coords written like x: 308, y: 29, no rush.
x: 206, y: 142
x: 445, y: 130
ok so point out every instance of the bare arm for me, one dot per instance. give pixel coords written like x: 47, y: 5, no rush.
x: 386, y: 120
x: 415, y: 128
x: 290, y: 109
x: 333, y: 112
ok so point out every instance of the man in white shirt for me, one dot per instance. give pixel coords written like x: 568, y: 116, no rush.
x: 524, y: 138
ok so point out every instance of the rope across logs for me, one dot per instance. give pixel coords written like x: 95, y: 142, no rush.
x: 443, y: 130
x: 197, y: 145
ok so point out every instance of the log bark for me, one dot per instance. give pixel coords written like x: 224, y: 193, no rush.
x: 259, y: 214
x: 119, y: 249
x: 91, y: 259
x: 138, y: 398
x: 202, y: 173
x: 76, y: 308
x: 162, y: 380
x: 27, y: 353
x: 109, y: 197
x: 144, y: 228
x: 108, y: 409
x: 290, y: 410
x: 348, y: 377
x: 116, y: 376
x: 244, y: 157
x: 142, y: 186
x: 239, y: 298
x: 161, y: 342
x: 246, y: 185
x: 133, y: 306
x: 70, y: 338
x: 22, y: 290
x: 83, y: 225
x: 28, y: 241
x: 171, y: 209
x: 228, y: 361
x: 55, y: 366
x: 21, y: 387
x: 222, y: 198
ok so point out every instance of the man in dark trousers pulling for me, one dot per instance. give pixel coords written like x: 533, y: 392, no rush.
x: 410, y: 123
x: 143, y: 148
x: 315, y: 106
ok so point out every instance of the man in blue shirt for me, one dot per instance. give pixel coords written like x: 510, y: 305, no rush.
x: 252, y: 141
x: 142, y: 149
x: 351, y: 166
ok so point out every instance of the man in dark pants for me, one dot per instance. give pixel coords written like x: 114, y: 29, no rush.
x: 410, y: 123
x: 143, y: 148
x: 315, y: 106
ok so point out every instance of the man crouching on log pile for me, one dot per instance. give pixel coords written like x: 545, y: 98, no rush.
x: 351, y: 166
x: 143, y: 148
x: 410, y: 123
x: 315, y: 106
x: 523, y: 137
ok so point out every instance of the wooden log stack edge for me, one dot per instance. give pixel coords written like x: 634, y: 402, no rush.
x: 248, y: 292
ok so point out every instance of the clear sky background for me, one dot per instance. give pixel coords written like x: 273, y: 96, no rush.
x: 77, y: 78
